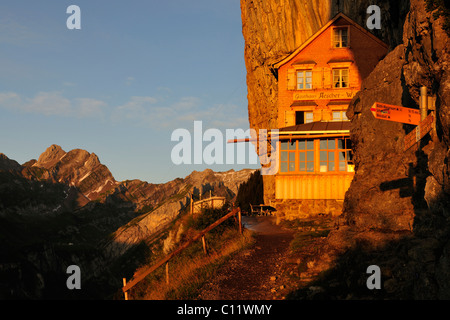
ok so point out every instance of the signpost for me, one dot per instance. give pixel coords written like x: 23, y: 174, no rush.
x: 419, y: 132
x: 395, y: 113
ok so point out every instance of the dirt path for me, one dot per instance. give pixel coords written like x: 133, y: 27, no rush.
x: 255, y: 273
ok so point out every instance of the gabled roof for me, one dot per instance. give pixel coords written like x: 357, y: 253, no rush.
x: 318, y: 33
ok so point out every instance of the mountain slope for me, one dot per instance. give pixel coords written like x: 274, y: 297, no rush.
x: 66, y: 208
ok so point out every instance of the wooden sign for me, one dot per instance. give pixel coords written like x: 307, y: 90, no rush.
x: 395, y: 113
x: 419, y: 132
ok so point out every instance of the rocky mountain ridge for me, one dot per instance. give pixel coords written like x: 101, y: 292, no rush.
x: 66, y: 208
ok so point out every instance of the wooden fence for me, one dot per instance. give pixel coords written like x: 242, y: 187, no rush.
x: 140, y: 275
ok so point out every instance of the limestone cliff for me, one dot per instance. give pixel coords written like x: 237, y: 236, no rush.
x: 274, y: 29
x: 398, y: 202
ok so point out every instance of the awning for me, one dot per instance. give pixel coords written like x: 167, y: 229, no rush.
x: 339, y: 102
x: 312, y: 130
x: 304, y: 103
x: 316, y: 129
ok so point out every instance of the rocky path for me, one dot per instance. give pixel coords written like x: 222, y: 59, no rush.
x: 255, y: 273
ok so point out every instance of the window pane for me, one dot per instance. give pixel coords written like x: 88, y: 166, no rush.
x: 330, y: 166
x: 323, y: 167
x: 291, y: 166
x: 310, y: 144
x: 292, y: 145
x: 302, y: 166
x: 348, y: 144
x: 323, y: 156
x: 323, y: 144
x: 284, y: 145
x: 283, y: 156
x: 310, y: 167
x: 301, y: 156
x: 341, y: 156
x: 330, y: 156
x: 283, y: 166
x: 349, y: 156
x: 291, y: 156
x: 342, y: 166
x: 336, y: 116
x: 331, y: 144
x: 308, y: 74
x: 341, y: 144
x: 301, y: 145
x: 310, y: 156
x: 308, y: 86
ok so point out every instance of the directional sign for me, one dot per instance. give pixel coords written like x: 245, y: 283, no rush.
x: 419, y: 132
x: 395, y: 113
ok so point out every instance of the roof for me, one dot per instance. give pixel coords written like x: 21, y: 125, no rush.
x: 326, y: 26
x: 318, y: 127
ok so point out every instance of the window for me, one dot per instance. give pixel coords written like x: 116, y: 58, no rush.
x: 340, y: 78
x: 335, y: 155
x: 298, y: 156
x: 304, y: 79
x: 287, y: 156
x: 339, y: 116
x: 340, y: 37
x: 345, y: 155
x: 327, y: 155
x: 306, y: 155
x: 302, y: 117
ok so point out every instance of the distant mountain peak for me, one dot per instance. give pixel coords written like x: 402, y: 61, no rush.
x: 50, y: 156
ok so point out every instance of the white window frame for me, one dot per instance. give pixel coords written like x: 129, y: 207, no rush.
x: 304, y: 78
x: 337, y: 42
x: 340, y: 80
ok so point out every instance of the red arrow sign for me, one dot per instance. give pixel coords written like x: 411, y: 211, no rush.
x: 419, y: 132
x: 395, y: 113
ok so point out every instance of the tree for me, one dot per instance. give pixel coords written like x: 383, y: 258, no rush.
x: 250, y: 192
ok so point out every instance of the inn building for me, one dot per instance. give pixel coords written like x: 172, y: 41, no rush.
x: 316, y: 83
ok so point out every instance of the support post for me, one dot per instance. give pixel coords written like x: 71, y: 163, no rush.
x: 204, y: 244
x: 423, y: 103
x: 124, y: 284
x: 167, y: 272
x: 240, y: 221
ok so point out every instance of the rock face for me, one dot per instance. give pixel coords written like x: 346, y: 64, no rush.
x: 274, y: 29
x: 392, y: 185
x: 77, y: 168
x: 396, y: 212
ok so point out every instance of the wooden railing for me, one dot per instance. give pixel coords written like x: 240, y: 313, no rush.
x: 140, y: 275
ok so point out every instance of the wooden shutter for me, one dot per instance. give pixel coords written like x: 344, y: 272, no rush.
x: 289, y: 118
x: 291, y: 79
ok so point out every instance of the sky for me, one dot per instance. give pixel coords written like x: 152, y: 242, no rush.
x: 122, y: 84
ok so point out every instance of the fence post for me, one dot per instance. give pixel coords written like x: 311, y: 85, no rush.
x: 204, y: 244
x: 240, y: 221
x: 124, y: 284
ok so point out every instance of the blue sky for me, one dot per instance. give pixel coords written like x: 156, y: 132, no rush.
x: 135, y: 72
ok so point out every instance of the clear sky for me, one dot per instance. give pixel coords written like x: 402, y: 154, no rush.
x: 136, y: 71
